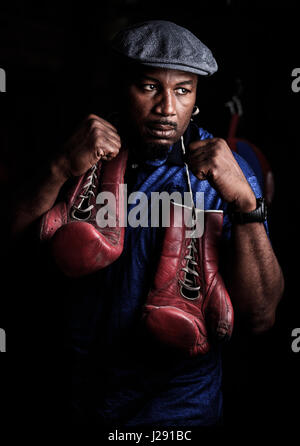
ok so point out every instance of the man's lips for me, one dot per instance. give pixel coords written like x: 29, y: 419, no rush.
x: 161, y: 131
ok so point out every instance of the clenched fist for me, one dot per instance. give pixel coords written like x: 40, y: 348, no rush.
x: 212, y: 160
x: 94, y: 140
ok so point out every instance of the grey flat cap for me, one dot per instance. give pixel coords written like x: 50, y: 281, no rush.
x: 159, y: 43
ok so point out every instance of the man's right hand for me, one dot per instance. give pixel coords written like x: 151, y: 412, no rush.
x: 94, y: 140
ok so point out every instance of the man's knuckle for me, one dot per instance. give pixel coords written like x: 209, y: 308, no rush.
x: 91, y: 116
x: 219, y: 141
x: 97, y: 133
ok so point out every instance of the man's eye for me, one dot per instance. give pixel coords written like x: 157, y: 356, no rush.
x: 149, y: 87
x: 182, y: 90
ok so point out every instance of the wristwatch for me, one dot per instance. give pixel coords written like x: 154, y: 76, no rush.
x: 259, y: 215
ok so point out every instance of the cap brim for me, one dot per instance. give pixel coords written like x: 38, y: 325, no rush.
x: 178, y: 67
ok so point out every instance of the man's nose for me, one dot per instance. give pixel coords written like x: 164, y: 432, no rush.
x: 166, y: 104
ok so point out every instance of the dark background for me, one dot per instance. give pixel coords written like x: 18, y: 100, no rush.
x: 55, y: 60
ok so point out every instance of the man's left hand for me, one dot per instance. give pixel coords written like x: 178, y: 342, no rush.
x: 212, y: 160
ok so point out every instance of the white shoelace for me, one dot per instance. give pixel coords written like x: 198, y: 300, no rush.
x: 189, y: 288
x: 87, y: 193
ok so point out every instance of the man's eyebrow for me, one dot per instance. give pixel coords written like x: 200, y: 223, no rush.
x: 149, y: 78
x: 187, y: 82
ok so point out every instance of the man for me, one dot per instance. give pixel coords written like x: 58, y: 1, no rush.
x: 119, y: 376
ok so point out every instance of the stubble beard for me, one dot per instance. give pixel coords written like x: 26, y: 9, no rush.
x: 154, y: 151
x: 145, y: 150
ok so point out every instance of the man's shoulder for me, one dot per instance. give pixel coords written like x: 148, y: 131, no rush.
x: 244, y: 165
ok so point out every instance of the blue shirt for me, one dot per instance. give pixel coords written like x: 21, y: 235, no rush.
x: 129, y: 381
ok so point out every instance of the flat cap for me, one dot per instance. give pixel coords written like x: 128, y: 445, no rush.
x: 159, y: 43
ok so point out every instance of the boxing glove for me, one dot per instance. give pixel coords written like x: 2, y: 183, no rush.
x: 188, y: 306
x: 79, y: 246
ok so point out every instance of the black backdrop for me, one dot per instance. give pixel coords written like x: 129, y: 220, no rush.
x: 56, y: 69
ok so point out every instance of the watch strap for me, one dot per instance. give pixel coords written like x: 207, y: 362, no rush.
x: 258, y: 215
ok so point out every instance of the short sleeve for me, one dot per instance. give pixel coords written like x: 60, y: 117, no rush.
x: 204, y: 134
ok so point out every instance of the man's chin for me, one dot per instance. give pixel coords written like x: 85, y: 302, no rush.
x: 154, y: 150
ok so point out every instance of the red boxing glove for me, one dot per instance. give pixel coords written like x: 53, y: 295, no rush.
x: 78, y: 244
x: 188, y: 305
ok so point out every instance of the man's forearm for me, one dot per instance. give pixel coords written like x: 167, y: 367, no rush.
x: 41, y: 196
x: 255, y: 278
x: 95, y: 139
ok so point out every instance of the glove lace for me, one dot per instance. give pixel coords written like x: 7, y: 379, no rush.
x: 190, y: 288
x: 83, y: 210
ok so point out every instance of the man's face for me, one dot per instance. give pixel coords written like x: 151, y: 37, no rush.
x: 160, y: 104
